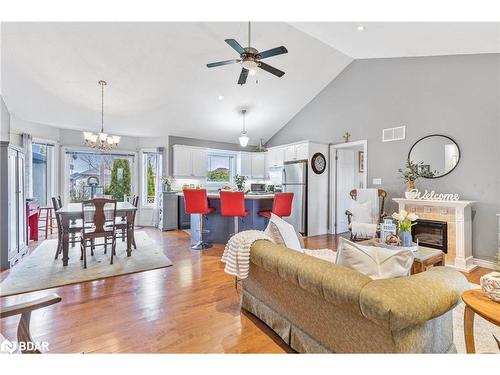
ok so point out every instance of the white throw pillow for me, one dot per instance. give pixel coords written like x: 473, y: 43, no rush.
x: 283, y: 233
x: 375, y: 262
x: 361, y: 212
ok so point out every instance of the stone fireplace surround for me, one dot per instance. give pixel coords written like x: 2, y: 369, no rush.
x: 457, y: 215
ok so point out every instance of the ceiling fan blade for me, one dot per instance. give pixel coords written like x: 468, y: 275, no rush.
x: 227, y: 62
x: 243, y: 76
x: 236, y: 46
x: 273, y: 52
x: 270, y: 69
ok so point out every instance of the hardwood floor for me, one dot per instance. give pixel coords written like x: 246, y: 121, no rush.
x: 191, y: 307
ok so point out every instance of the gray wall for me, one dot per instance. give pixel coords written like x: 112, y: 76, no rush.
x: 4, y: 121
x: 456, y: 96
x: 173, y: 140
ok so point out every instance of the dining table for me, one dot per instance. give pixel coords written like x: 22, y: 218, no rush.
x: 70, y: 213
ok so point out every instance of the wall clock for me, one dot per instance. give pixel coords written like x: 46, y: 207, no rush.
x: 318, y: 163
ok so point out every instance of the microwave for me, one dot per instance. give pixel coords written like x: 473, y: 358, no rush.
x: 257, y: 188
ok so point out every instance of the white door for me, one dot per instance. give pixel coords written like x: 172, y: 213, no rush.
x: 200, y: 162
x: 258, y: 167
x: 344, y: 184
x: 302, y: 151
x: 183, y: 164
x: 246, y: 164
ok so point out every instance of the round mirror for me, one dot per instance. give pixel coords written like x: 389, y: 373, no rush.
x: 434, y: 155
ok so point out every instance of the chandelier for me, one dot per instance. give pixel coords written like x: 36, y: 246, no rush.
x: 101, y: 141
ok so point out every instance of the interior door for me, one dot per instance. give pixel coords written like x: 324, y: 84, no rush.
x: 344, y: 184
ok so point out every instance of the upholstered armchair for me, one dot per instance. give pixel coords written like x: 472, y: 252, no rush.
x: 380, y: 210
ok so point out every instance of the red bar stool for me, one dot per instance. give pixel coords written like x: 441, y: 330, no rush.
x: 196, y: 203
x: 282, y: 205
x: 232, y: 203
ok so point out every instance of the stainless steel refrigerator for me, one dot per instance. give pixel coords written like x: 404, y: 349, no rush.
x: 295, y: 181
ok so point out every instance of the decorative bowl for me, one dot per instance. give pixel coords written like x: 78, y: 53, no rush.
x: 490, y: 283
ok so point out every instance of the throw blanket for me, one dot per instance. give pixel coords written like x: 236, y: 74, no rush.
x: 237, y: 252
x: 370, y: 195
x: 363, y: 230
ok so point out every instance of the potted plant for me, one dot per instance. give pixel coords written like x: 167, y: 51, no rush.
x: 412, y: 172
x: 240, y: 182
x: 405, y: 221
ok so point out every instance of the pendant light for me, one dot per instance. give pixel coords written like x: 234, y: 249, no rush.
x: 243, y: 138
x: 101, y: 141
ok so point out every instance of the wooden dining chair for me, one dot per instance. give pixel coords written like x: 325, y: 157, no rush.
x: 24, y: 309
x: 121, y: 222
x: 99, y: 219
x: 75, y: 229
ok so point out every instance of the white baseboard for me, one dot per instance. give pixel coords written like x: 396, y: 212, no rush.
x: 484, y: 263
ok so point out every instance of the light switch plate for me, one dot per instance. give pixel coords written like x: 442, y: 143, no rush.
x: 377, y: 181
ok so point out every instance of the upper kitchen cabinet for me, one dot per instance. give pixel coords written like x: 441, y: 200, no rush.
x: 275, y: 157
x: 252, y: 164
x: 299, y: 151
x: 190, y: 161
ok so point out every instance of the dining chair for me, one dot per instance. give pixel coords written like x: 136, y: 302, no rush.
x: 99, y: 219
x: 74, y: 229
x: 121, y: 222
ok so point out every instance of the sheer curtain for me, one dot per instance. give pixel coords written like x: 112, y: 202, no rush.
x: 159, y: 186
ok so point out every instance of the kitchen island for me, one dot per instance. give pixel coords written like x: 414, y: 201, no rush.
x: 222, y: 227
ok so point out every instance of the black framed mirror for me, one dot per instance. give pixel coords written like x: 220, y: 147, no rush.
x: 435, y: 155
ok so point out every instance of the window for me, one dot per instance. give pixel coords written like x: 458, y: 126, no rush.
x: 94, y: 175
x: 42, y: 170
x: 220, y: 168
x: 151, y: 164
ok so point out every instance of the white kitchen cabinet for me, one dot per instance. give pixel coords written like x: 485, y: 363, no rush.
x: 275, y: 157
x: 258, y: 165
x: 200, y: 162
x: 190, y: 161
x: 246, y: 164
x: 298, y: 151
x: 252, y: 164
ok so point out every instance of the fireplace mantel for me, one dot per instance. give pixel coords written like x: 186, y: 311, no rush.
x: 463, y: 227
x: 434, y: 202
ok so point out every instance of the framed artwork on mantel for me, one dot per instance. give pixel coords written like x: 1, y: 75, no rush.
x: 361, y: 161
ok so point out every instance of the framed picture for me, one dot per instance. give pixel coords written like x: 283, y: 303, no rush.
x: 361, y: 161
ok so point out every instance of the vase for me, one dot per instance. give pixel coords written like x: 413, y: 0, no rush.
x: 410, y: 185
x: 406, y: 239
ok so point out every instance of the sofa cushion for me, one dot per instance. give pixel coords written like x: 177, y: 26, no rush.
x: 375, y: 262
x: 283, y: 233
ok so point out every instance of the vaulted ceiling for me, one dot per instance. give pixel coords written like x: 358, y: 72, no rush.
x: 159, y: 83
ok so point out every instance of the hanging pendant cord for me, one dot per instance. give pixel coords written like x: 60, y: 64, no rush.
x: 102, y: 107
x: 244, y: 127
x: 249, y: 44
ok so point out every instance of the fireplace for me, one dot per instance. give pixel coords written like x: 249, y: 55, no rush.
x: 431, y: 233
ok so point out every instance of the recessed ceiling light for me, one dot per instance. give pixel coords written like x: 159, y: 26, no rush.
x: 220, y: 97
x: 361, y: 28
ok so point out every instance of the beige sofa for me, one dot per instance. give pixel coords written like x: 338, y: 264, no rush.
x: 319, y: 307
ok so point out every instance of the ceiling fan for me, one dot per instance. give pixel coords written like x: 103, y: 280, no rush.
x: 250, y: 59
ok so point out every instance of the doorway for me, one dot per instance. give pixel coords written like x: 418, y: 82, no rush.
x: 348, y: 171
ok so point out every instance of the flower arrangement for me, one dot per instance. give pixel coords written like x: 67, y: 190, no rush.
x: 412, y: 172
x: 405, y: 220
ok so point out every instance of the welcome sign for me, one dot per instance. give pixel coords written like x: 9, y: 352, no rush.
x: 433, y: 196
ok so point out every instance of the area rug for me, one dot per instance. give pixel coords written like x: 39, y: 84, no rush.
x: 483, y: 331
x: 40, y: 271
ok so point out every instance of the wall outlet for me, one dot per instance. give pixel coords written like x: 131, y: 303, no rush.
x: 427, y: 209
x: 377, y: 181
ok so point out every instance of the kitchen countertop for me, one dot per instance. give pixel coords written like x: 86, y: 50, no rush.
x: 213, y: 195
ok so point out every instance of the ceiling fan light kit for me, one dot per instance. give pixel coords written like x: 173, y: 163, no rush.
x: 101, y: 141
x: 250, y: 59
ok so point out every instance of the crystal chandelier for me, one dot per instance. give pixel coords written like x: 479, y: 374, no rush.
x: 101, y: 141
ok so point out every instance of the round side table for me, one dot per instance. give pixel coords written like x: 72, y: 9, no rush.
x: 476, y: 302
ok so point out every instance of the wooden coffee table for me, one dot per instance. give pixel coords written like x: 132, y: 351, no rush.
x: 476, y: 302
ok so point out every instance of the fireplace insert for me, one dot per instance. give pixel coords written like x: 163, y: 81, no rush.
x: 431, y: 233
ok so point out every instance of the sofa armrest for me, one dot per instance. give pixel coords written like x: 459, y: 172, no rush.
x: 407, y: 301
